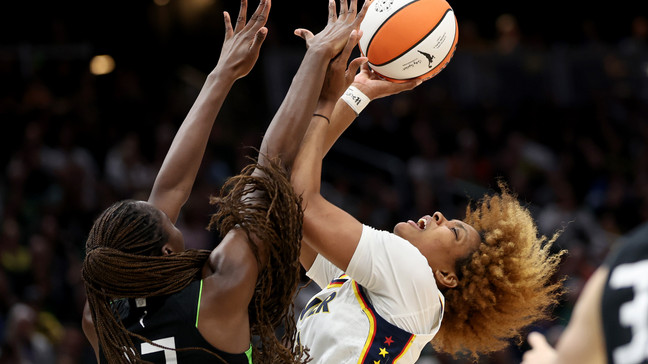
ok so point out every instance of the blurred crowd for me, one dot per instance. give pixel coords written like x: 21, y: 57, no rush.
x: 564, y: 124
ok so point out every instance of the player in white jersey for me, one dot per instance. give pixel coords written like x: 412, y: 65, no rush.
x: 467, y: 286
x: 381, y: 315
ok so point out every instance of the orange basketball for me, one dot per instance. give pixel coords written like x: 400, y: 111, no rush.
x: 407, y: 39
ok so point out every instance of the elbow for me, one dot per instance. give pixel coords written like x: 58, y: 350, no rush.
x: 302, y: 186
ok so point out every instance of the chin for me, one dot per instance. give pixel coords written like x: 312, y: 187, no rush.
x: 398, y: 229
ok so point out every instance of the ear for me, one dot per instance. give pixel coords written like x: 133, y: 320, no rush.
x: 446, y: 279
x: 167, y: 250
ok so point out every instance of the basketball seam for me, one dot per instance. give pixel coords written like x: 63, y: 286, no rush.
x: 385, y: 22
x: 415, y: 44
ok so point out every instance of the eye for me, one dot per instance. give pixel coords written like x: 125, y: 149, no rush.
x: 454, y: 230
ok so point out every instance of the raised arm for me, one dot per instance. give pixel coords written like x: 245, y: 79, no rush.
x: 240, y: 51
x: 341, y: 115
x: 336, y: 230
x: 291, y: 120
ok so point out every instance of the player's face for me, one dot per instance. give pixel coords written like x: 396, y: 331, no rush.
x: 176, y: 240
x: 175, y: 243
x: 440, y: 240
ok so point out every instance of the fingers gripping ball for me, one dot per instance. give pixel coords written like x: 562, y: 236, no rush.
x: 408, y: 39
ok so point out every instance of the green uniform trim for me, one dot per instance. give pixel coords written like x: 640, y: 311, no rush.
x: 199, y: 297
x: 249, y: 354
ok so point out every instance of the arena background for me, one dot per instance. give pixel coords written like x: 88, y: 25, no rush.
x: 552, y: 97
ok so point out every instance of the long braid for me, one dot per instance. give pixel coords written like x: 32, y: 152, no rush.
x: 266, y: 207
x: 119, y: 264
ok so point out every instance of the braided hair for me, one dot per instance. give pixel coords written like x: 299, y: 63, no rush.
x: 123, y: 260
x: 262, y: 202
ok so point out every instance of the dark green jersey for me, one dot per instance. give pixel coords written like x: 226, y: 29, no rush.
x: 171, y: 321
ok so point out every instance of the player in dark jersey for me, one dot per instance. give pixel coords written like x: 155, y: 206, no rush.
x: 610, y: 319
x: 151, y: 300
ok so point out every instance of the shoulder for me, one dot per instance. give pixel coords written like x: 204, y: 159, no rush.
x: 629, y: 249
x: 89, y: 329
x: 384, y: 261
x: 229, y: 280
x: 383, y: 245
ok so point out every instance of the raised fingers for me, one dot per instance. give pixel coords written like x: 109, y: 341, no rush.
x: 332, y: 16
x: 352, y: 70
x: 354, y: 37
x: 305, y: 34
x: 353, y: 8
x: 260, y: 16
x: 242, y: 16
x: 344, y: 8
x: 228, y: 25
x: 259, y: 37
x: 362, y: 13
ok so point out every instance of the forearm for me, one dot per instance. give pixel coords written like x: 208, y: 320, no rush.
x: 178, y: 172
x: 327, y: 230
x: 292, y: 118
x: 341, y: 118
x: 307, y: 169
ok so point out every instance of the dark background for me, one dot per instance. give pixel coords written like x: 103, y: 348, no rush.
x: 549, y: 96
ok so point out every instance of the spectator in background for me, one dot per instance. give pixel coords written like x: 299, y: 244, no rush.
x: 23, y: 341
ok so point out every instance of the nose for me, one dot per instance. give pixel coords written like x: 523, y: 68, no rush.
x: 438, y: 218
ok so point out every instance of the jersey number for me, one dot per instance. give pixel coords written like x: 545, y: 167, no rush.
x: 168, y: 342
x: 633, y: 314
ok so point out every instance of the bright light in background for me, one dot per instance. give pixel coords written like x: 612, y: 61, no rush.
x: 191, y: 11
x: 102, y: 65
x: 161, y: 2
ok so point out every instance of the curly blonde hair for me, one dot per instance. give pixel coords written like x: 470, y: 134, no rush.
x: 505, y: 285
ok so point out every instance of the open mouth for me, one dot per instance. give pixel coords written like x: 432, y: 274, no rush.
x: 421, y: 224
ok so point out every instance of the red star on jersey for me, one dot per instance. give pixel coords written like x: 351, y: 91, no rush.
x: 388, y: 340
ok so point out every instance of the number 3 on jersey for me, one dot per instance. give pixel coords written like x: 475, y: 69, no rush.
x: 633, y: 314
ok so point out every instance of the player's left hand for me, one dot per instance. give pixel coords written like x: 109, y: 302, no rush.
x: 332, y: 39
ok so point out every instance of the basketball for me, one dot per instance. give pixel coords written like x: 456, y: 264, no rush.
x: 407, y: 39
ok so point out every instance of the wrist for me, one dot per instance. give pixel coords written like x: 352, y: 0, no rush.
x: 221, y: 76
x: 325, y: 107
x: 356, y: 99
x: 365, y: 90
x: 323, y: 117
x: 319, y: 51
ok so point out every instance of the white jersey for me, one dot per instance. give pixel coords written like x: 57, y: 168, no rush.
x: 384, y: 309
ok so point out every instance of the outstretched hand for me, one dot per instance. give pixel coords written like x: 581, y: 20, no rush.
x: 243, y: 42
x: 541, y: 352
x: 375, y: 87
x: 338, y: 76
x: 333, y: 38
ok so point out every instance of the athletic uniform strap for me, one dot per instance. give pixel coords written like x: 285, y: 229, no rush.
x: 386, y: 343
